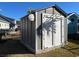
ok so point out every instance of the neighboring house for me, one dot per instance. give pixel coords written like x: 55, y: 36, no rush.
x: 9, y: 20
x: 18, y: 24
x: 44, y: 29
x: 12, y: 24
x: 4, y: 24
x: 73, y: 23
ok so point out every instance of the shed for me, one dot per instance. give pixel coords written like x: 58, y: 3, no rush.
x: 46, y: 30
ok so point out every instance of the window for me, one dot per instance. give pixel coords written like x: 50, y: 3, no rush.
x: 72, y: 20
x: 78, y: 20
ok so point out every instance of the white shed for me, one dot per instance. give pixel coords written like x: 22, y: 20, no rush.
x: 44, y: 29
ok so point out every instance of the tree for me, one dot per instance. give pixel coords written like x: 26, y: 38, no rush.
x: 30, y: 11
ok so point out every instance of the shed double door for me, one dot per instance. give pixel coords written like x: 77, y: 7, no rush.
x: 47, y: 32
x: 57, y: 33
x: 51, y: 32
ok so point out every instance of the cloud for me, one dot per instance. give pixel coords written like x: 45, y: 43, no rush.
x: 0, y: 9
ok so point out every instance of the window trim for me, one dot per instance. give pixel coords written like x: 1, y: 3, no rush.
x: 72, y: 19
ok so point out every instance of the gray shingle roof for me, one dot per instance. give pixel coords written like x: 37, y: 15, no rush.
x: 7, y: 19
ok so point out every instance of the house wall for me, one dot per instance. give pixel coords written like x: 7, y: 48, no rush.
x: 72, y: 26
x: 4, y: 24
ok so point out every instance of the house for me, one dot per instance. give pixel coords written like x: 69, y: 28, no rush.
x: 10, y: 24
x: 18, y: 23
x: 73, y: 23
x: 4, y: 24
x: 44, y: 29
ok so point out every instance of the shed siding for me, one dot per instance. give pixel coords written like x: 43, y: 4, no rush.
x: 28, y: 33
x: 65, y: 31
x: 38, y: 23
x: 32, y: 31
x: 64, y: 27
x: 38, y: 30
x: 42, y: 11
x: 49, y: 10
x: 38, y: 27
x: 55, y: 11
x: 31, y: 35
x: 22, y: 29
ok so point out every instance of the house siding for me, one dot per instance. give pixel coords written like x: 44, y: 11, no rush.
x: 72, y: 26
x: 4, y: 24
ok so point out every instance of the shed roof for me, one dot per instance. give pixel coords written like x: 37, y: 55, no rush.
x: 55, y: 6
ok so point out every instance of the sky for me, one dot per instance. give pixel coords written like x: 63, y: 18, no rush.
x: 16, y: 10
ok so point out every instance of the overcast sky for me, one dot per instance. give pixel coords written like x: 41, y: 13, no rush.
x: 17, y: 10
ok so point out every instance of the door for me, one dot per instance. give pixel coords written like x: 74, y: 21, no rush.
x: 47, y: 32
x: 51, y: 31
x: 57, y: 33
x: 47, y: 38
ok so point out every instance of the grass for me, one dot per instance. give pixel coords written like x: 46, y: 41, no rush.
x: 13, y: 48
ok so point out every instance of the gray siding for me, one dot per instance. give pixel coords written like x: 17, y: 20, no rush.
x: 49, y: 10
x: 38, y: 25
x: 31, y: 34
x: 65, y: 30
x: 28, y: 33
x: 38, y: 31
x: 42, y: 11
x: 32, y: 31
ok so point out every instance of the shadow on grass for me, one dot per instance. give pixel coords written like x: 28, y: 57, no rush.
x: 74, y: 38
x: 71, y: 50
x: 12, y: 47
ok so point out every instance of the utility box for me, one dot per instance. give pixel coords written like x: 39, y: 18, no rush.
x: 45, y: 29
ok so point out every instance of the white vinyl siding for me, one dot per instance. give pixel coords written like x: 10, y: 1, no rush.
x: 4, y: 25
